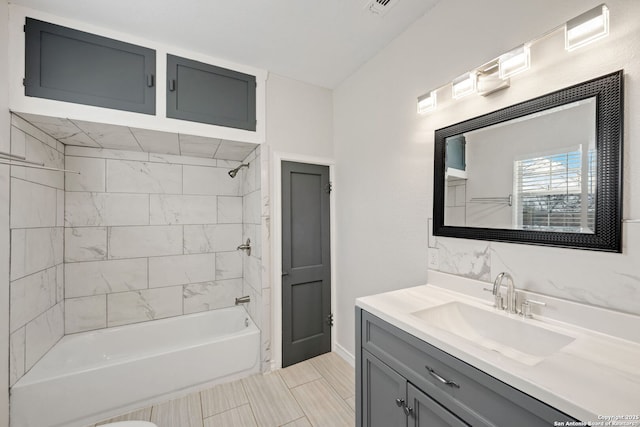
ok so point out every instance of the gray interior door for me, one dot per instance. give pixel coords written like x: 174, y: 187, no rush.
x: 306, y: 268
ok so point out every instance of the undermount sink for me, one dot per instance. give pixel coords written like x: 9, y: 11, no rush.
x: 515, y: 338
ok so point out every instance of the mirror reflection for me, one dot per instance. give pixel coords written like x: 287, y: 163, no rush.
x: 536, y: 172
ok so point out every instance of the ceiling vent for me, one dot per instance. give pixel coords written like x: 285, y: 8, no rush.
x: 379, y: 7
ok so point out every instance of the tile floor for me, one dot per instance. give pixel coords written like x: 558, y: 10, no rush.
x: 316, y: 392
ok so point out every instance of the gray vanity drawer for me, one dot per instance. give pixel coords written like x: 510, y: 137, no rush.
x: 477, y: 397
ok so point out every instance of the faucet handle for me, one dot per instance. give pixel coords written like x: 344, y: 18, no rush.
x: 525, y: 311
x: 497, y: 299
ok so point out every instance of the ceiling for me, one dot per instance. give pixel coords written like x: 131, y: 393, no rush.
x: 319, y: 42
x: 100, y: 135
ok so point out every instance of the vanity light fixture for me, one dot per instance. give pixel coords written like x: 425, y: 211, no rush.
x: 514, y: 61
x: 427, y: 102
x: 494, y: 75
x: 586, y: 28
x: 489, y: 80
x: 464, y: 85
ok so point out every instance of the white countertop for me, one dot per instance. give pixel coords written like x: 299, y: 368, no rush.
x: 595, y: 376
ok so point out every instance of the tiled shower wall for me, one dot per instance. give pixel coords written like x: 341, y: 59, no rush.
x: 37, y: 219
x: 256, y: 227
x: 149, y: 236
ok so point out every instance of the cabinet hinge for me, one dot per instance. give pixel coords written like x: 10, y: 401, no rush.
x: 24, y: 82
x: 328, y: 188
x: 330, y: 319
x: 24, y: 28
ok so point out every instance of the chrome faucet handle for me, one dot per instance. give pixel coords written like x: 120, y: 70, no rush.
x: 497, y: 298
x: 525, y: 310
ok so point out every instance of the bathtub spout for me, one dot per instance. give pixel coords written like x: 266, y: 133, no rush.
x: 243, y: 300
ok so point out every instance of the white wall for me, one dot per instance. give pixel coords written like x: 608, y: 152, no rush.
x: 385, y: 161
x: 299, y: 117
x: 299, y: 128
x: 4, y: 217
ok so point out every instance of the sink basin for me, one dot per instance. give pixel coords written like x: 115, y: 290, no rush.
x: 515, y: 338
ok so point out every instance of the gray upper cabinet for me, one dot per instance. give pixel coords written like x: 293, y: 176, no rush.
x: 70, y: 65
x: 205, y: 93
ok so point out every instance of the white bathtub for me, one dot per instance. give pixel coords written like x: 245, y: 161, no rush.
x: 89, y: 376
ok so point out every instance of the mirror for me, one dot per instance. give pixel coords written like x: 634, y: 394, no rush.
x: 546, y: 171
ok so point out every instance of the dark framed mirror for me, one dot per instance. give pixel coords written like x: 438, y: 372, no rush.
x: 547, y: 171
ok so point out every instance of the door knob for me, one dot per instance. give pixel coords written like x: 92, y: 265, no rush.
x: 400, y: 402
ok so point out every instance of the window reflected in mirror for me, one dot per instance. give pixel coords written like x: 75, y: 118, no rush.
x: 537, y: 172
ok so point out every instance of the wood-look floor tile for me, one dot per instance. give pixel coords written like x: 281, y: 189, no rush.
x: 337, y: 372
x: 236, y: 417
x: 322, y: 405
x: 222, y: 398
x: 271, y: 400
x: 302, y: 422
x: 139, y: 415
x: 299, y: 373
x: 183, y: 412
x: 351, y: 402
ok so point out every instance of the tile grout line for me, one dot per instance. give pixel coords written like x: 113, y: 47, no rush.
x: 200, y: 396
x: 253, y: 412
x: 329, y: 382
x: 306, y: 415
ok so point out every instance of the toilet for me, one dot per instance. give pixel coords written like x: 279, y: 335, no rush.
x: 130, y: 424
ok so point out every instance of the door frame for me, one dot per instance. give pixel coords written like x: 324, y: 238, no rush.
x: 276, y: 217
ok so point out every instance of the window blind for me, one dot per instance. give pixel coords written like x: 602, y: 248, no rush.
x: 556, y: 192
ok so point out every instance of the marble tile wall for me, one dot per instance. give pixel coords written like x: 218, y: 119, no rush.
x: 608, y: 280
x: 149, y: 236
x: 255, y: 213
x: 36, y: 203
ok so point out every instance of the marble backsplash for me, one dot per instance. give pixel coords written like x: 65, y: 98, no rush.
x: 602, y: 279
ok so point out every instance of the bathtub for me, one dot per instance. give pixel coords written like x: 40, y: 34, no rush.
x: 91, y: 376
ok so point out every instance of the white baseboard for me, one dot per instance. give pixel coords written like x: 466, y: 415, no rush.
x: 342, y: 352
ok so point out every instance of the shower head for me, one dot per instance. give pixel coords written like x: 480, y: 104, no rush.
x: 234, y: 172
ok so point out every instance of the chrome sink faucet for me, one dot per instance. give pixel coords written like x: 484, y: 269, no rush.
x: 511, y: 291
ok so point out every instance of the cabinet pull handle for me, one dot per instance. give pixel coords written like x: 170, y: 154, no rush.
x: 172, y: 85
x: 399, y: 402
x: 444, y: 381
x: 150, y: 80
x: 408, y: 410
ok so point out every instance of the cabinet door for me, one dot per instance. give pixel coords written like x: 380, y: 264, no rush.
x: 208, y: 94
x: 426, y: 412
x: 384, y: 394
x: 74, y: 66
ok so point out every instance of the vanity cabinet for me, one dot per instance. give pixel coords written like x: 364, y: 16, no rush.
x: 390, y: 400
x: 64, y: 64
x: 205, y: 93
x: 433, y: 387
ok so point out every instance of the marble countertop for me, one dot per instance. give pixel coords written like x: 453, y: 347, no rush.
x: 595, y: 376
